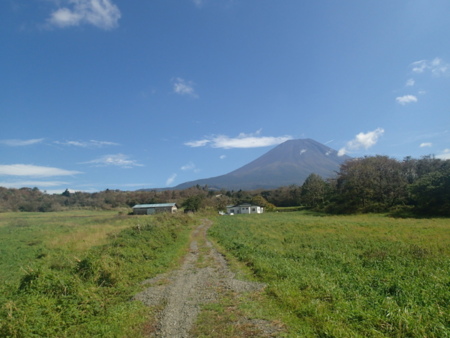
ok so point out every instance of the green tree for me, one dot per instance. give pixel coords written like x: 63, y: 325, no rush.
x: 262, y: 202
x: 314, y: 191
x: 192, y: 203
x: 371, y: 184
x: 431, y: 192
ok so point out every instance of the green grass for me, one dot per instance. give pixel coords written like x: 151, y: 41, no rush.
x: 74, y: 273
x: 31, y: 238
x: 343, y: 276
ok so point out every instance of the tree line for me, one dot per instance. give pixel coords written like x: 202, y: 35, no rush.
x: 368, y: 184
x: 380, y: 184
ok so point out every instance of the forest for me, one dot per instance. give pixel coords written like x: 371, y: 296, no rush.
x: 362, y: 185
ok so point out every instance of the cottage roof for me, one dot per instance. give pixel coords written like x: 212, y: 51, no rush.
x: 158, y: 205
x: 246, y: 205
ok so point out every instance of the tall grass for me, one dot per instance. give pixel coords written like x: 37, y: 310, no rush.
x: 32, y: 238
x: 64, y: 288
x: 348, y: 275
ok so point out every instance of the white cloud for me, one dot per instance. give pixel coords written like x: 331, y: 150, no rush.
x: 222, y: 157
x: 34, y: 171
x: 119, y: 160
x: 410, y: 83
x: 100, y: 13
x: 241, y: 141
x: 171, y: 179
x: 445, y: 155
x: 343, y: 151
x: 19, y: 143
x: 183, y: 87
x: 437, y: 67
x: 58, y: 191
x: 406, y: 99
x: 303, y: 151
x: 419, y: 66
x: 188, y: 166
x: 61, y: 190
x: 87, y: 144
x: 425, y: 144
x: 31, y: 184
x: 198, y: 3
x: 134, y: 184
x: 362, y: 140
x: 195, y: 144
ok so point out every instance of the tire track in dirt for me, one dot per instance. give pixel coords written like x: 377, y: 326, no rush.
x: 199, y: 280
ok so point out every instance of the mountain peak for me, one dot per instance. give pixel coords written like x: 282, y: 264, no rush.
x: 291, y: 162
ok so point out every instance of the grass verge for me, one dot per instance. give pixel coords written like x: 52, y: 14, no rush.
x: 83, y: 290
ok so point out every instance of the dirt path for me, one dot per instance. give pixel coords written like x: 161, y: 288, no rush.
x: 202, y: 276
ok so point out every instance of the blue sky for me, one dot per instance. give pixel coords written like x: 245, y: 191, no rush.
x: 116, y: 94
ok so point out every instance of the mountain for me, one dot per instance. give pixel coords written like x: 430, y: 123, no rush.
x: 288, y: 163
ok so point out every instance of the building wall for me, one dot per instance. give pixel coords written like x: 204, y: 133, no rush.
x: 139, y: 211
x: 247, y: 209
x: 152, y: 211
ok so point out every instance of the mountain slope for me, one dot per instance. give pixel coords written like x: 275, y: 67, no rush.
x: 288, y: 163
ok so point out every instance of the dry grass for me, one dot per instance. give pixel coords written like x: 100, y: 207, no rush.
x: 83, y: 238
x: 25, y: 237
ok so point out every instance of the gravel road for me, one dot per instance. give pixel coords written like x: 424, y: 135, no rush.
x: 200, y: 279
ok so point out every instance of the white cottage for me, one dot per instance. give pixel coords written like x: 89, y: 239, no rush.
x: 245, y: 208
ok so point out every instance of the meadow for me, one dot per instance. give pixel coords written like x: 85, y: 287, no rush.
x: 73, y: 273
x: 347, y: 276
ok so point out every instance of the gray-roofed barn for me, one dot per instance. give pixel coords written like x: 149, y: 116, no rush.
x: 150, y: 209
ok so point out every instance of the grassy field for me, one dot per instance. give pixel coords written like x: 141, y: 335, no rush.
x: 347, y: 276
x: 74, y: 273
x: 28, y: 238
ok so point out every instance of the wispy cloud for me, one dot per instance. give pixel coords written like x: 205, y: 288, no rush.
x: 189, y: 166
x: 87, y: 144
x: 222, y: 157
x: 118, y: 160
x: 445, y: 155
x: 171, y: 179
x: 410, y: 82
x: 198, y: 3
x: 34, y: 171
x: 61, y: 190
x: 183, y: 87
x: 133, y: 184
x: 199, y: 143
x: 32, y: 184
x: 99, y: 13
x: 362, y: 140
x: 241, y: 141
x: 20, y: 143
x: 426, y: 144
x: 406, y: 99
x: 437, y: 67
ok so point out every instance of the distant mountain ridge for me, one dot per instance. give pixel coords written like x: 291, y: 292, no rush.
x: 288, y: 163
